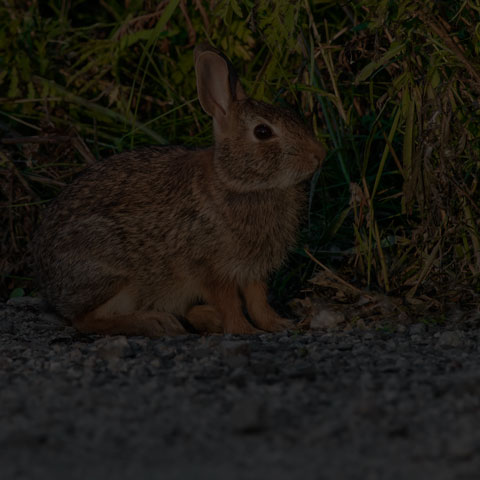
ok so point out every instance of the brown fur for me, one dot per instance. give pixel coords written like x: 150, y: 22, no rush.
x: 147, y: 235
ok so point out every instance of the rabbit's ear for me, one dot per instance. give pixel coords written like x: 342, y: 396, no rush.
x: 217, y: 83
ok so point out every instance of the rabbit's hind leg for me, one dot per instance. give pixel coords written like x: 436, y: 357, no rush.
x: 205, y: 318
x: 148, y: 324
x: 225, y: 298
x: 115, y: 318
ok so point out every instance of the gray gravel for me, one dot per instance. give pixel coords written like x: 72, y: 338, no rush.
x: 319, y: 405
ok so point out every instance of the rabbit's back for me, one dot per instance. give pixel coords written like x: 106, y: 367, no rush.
x: 121, y: 185
x: 129, y: 214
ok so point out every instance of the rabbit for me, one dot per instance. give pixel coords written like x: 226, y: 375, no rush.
x: 153, y: 241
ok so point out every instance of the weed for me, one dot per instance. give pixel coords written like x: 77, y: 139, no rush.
x: 391, y: 88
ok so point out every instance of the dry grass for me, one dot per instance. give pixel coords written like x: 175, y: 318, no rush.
x: 390, y: 87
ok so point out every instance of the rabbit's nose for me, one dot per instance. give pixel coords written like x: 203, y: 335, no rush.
x: 318, y: 152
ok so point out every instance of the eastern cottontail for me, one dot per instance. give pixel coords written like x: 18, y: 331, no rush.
x: 153, y: 235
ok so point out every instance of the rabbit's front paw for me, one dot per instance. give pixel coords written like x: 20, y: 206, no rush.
x: 275, y: 324
x: 161, y: 324
x: 240, y: 327
x: 205, y: 318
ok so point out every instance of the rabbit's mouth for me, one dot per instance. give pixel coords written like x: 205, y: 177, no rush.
x: 317, y: 153
x: 309, y: 161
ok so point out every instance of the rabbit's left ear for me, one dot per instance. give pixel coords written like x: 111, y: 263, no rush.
x: 217, y: 83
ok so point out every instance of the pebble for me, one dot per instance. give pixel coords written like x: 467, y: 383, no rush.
x: 238, y: 376
x: 248, y: 415
x: 111, y: 348
x: 417, y: 339
x: 451, y: 339
x: 236, y: 361
x: 462, y: 447
x: 344, y: 346
x: 75, y: 355
x: 7, y: 326
x: 301, y: 369
x: 230, y: 348
x: 417, y: 329
x: 390, y: 346
x: 5, y: 362
x: 33, y: 302
x: 326, y: 320
x: 235, y: 354
x: 51, y: 319
x: 362, y: 404
x: 155, y: 363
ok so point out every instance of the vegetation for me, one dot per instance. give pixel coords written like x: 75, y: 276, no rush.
x: 391, y: 88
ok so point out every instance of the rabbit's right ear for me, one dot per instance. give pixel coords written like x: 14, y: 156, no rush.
x: 217, y: 84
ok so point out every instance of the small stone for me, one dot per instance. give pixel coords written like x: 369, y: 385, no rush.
x: 138, y: 345
x: 238, y: 377
x: 111, y: 348
x: 417, y: 329
x: 32, y: 302
x: 417, y: 339
x: 213, y: 341
x: 75, y: 372
x: 75, y: 355
x: 90, y: 362
x: 237, y: 361
x: 61, y: 339
x: 68, y: 330
x: 462, y: 447
x: 56, y: 366
x: 401, y: 328
x: 116, y: 366
x: 326, y: 320
x: 233, y: 348
x: 262, y: 365
x: 51, y: 319
x: 301, y: 352
x: 452, y: 339
x: 155, y: 363
x: 390, y: 346
x: 235, y: 354
x: 360, y: 349
x: 165, y: 352
x: 201, y: 352
x: 248, y: 415
x: 301, y: 369
x: 345, y: 345
x: 5, y: 363
x: 366, y: 381
x: 6, y: 326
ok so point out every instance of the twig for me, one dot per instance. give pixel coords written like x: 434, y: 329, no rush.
x: 36, y: 139
x: 336, y: 277
x: 19, y: 176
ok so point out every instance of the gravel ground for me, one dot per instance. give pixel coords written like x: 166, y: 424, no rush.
x: 318, y: 405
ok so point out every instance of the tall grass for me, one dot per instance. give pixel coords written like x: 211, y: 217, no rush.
x: 391, y: 88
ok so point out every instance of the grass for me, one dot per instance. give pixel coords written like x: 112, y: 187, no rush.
x: 391, y: 88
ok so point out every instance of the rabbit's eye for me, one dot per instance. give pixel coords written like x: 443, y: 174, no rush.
x: 262, y: 131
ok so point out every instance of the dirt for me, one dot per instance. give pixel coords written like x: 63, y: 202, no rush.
x: 327, y: 404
